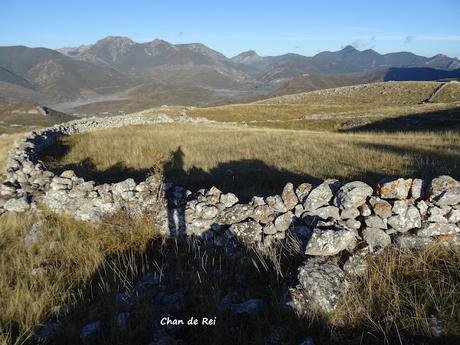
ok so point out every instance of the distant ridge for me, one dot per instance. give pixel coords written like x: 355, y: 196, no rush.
x: 130, y: 72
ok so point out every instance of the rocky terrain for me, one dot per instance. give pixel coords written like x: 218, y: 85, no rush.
x: 328, y: 220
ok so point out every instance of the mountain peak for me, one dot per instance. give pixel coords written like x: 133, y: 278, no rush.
x: 349, y: 49
x: 115, y: 39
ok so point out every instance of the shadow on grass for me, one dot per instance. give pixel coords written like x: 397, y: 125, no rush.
x: 443, y: 120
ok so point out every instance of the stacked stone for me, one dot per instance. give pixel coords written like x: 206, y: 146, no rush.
x: 27, y: 180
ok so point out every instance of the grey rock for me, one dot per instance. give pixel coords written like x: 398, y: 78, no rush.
x: 197, y: 227
x: 410, y: 242
x: 302, y: 191
x: 248, y: 232
x: 349, y: 213
x: 270, y: 229
x: 299, y: 210
x: 124, y: 186
x: 453, y: 216
x: 448, y: 197
x: 381, y: 208
x: 262, y: 213
x: 395, y: 189
x: 326, y: 212
x: 289, y: 197
x: 436, y: 229
x: 321, y: 195
x: 400, y: 207
x: 418, y: 189
x: 323, y: 281
x: 365, y: 210
x: 437, y: 215
x: 406, y: 222
x: 206, y: 211
x: 235, y: 214
x: 276, y: 204
x: 257, y: 201
x: 440, y: 185
x: 376, y: 222
x: 17, y: 205
x: 330, y: 242
x: 422, y: 207
x: 377, y: 239
x: 69, y: 174
x: 284, y: 221
x: 352, y: 195
x: 353, y: 224
x: 356, y: 265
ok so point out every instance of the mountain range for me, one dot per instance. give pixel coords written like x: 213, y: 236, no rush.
x: 119, y: 73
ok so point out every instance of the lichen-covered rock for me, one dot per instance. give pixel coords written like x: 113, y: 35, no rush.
x: 206, y: 211
x: 352, y: 195
x: 375, y: 221
x: 381, y: 208
x: 437, y: 214
x: 395, y: 189
x: 247, y: 232
x: 453, y: 216
x: 17, y: 205
x: 377, y: 239
x: 408, y: 241
x: 418, y: 189
x: 353, y: 224
x: 289, y: 197
x: 356, y: 265
x: 400, y: 207
x: 228, y: 200
x: 349, y: 213
x: 235, y: 214
x: 302, y: 191
x: 448, y: 197
x: 324, y: 283
x: 276, y: 204
x: 284, y: 221
x: 440, y: 185
x: 405, y: 222
x: 436, y: 229
x: 321, y: 195
x: 262, y: 213
x: 330, y: 242
x: 326, y: 212
x: 270, y: 229
x: 422, y: 207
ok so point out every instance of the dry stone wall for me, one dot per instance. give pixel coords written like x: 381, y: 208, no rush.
x: 326, y: 219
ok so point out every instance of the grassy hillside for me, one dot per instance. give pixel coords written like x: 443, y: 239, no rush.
x: 25, y: 116
x: 252, y: 160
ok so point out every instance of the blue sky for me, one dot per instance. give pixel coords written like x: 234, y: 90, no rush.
x: 269, y: 27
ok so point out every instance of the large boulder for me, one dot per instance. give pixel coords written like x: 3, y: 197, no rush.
x: 323, y: 281
x: 352, y: 195
x: 247, y: 232
x: 395, y: 189
x: 330, y: 242
x: 321, y: 195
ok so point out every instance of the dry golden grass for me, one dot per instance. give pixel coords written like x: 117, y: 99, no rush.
x: 402, y: 290
x: 35, y: 279
x: 262, y: 157
x: 450, y: 93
